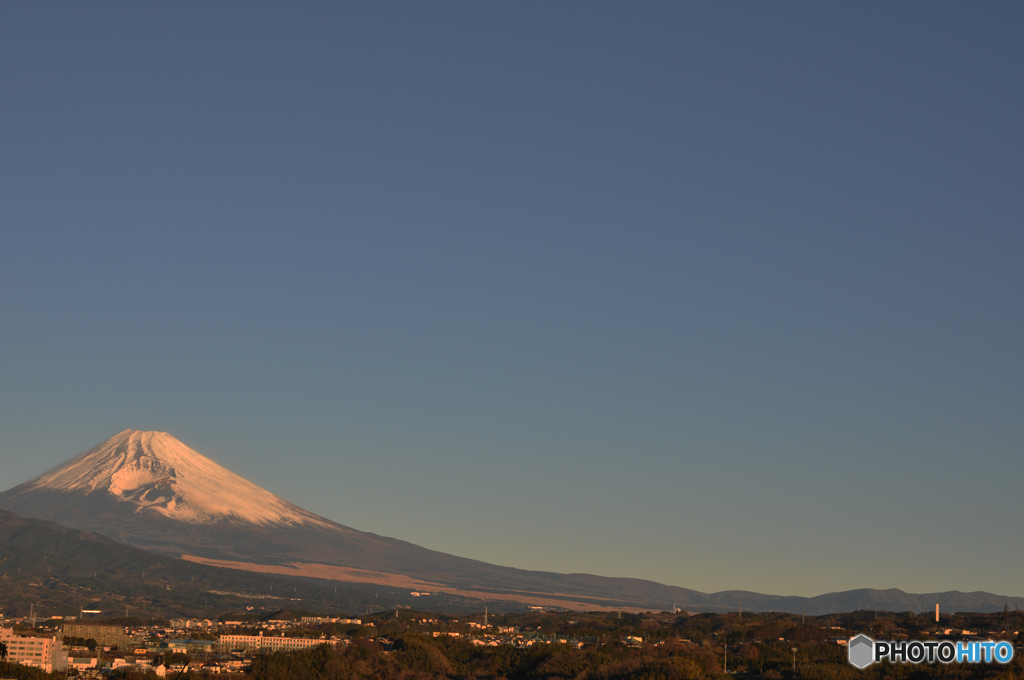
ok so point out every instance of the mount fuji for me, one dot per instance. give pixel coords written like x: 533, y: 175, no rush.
x: 152, y: 474
x: 149, y: 490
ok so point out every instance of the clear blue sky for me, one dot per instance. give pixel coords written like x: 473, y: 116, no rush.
x: 725, y: 295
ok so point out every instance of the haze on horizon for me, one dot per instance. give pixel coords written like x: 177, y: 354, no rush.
x: 724, y: 296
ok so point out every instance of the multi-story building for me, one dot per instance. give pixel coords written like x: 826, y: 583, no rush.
x: 261, y: 643
x: 82, y: 663
x: 191, y: 623
x: 190, y: 646
x: 46, y: 654
x: 105, y: 636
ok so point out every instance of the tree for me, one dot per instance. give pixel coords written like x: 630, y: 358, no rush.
x: 3, y: 651
x: 177, y: 659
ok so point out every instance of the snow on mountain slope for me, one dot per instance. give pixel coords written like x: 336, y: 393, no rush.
x: 157, y: 473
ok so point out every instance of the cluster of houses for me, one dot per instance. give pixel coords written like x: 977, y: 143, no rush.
x: 113, y: 647
x: 216, y: 646
x: 223, y: 651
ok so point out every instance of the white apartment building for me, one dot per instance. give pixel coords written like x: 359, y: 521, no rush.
x: 257, y: 643
x: 46, y: 654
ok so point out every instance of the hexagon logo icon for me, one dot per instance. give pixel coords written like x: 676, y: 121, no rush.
x: 862, y: 651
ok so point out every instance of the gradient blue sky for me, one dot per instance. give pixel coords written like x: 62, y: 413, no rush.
x: 724, y: 295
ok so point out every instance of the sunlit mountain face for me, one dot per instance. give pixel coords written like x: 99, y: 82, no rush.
x: 154, y: 473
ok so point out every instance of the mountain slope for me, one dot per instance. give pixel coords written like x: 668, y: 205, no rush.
x: 61, y: 570
x: 149, y: 490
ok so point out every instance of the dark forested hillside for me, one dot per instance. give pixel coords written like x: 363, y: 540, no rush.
x: 62, y: 570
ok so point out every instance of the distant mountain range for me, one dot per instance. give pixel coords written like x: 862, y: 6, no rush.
x: 148, y: 490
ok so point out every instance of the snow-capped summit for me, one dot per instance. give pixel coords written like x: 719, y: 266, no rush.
x: 156, y: 473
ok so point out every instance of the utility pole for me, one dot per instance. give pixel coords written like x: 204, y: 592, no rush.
x: 794, y: 662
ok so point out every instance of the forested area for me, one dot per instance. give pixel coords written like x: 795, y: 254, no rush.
x: 437, y: 659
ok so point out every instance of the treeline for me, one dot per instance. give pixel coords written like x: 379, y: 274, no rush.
x: 736, y: 628
x: 423, y: 658
x: 427, y: 658
x: 16, y: 671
